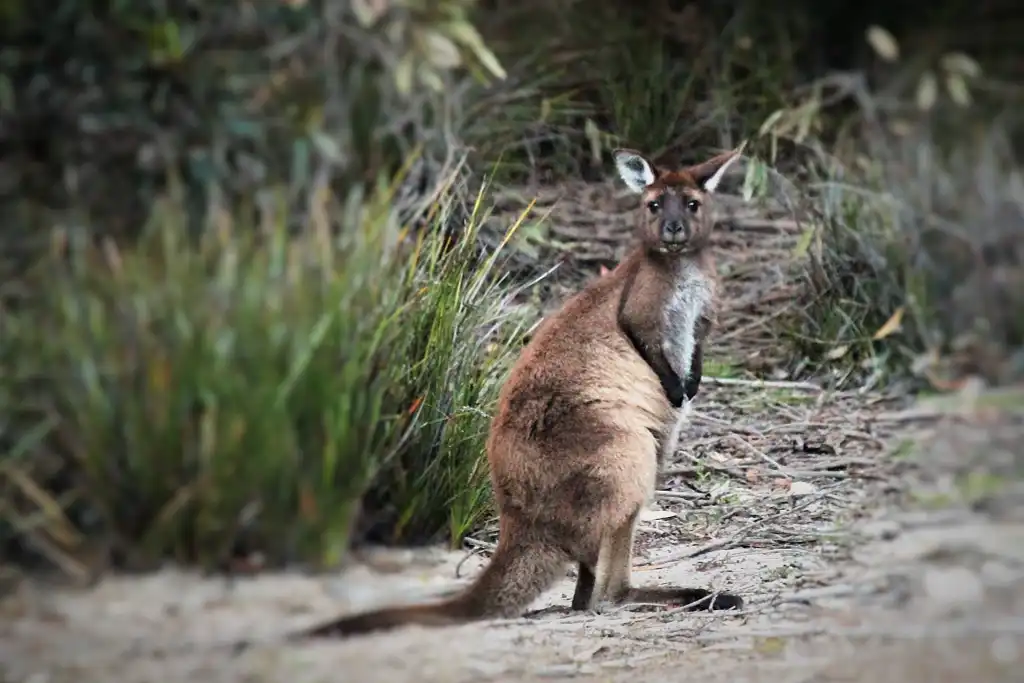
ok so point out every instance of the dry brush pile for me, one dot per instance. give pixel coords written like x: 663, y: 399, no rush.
x: 245, y: 310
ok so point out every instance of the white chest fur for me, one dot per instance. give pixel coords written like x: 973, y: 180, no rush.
x: 689, y: 299
x: 691, y: 296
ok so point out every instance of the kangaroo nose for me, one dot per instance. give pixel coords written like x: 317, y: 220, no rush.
x: 673, y: 228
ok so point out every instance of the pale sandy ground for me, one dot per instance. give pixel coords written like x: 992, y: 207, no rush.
x: 922, y: 591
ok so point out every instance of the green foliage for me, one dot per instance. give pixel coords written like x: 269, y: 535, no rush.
x: 647, y: 95
x: 191, y: 400
x: 915, y: 263
x: 103, y: 101
x: 668, y: 91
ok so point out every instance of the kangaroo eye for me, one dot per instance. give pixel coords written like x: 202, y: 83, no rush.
x: 693, y: 205
x: 653, y: 205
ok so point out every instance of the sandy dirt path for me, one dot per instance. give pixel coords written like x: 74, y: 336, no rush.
x: 900, y: 570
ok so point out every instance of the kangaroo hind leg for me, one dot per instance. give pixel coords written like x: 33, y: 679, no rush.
x: 610, y: 577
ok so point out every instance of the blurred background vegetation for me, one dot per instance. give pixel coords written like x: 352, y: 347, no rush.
x: 246, y: 309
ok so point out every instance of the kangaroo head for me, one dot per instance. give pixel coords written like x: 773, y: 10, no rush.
x: 675, y: 216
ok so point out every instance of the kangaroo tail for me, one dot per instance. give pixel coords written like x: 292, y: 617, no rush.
x: 516, y: 576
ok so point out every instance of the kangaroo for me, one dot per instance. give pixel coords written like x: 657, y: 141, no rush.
x: 681, y: 279
x: 574, y: 445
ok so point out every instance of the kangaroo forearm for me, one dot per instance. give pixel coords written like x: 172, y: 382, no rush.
x: 679, y: 354
x: 687, y: 362
x: 692, y: 384
x: 671, y: 382
x: 675, y: 389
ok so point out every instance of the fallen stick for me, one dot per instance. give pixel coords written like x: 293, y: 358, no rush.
x: 765, y: 383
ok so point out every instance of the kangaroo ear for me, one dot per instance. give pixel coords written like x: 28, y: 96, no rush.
x: 634, y: 169
x: 709, y: 173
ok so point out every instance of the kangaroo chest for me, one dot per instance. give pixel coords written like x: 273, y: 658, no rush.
x: 687, y: 303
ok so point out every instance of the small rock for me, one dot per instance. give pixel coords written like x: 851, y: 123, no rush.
x: 801, y: 488
x: 951, y: 586
x: 999, y: 573
x: 1004, y: 650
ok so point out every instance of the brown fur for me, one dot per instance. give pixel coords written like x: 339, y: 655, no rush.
x: 573, y: 447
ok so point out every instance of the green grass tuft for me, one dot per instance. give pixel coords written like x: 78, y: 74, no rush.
x: 243, y: 394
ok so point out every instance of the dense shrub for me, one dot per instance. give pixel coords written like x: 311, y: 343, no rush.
x: 246, y: 340
x: 916, y: 266
x: 244, y: 393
